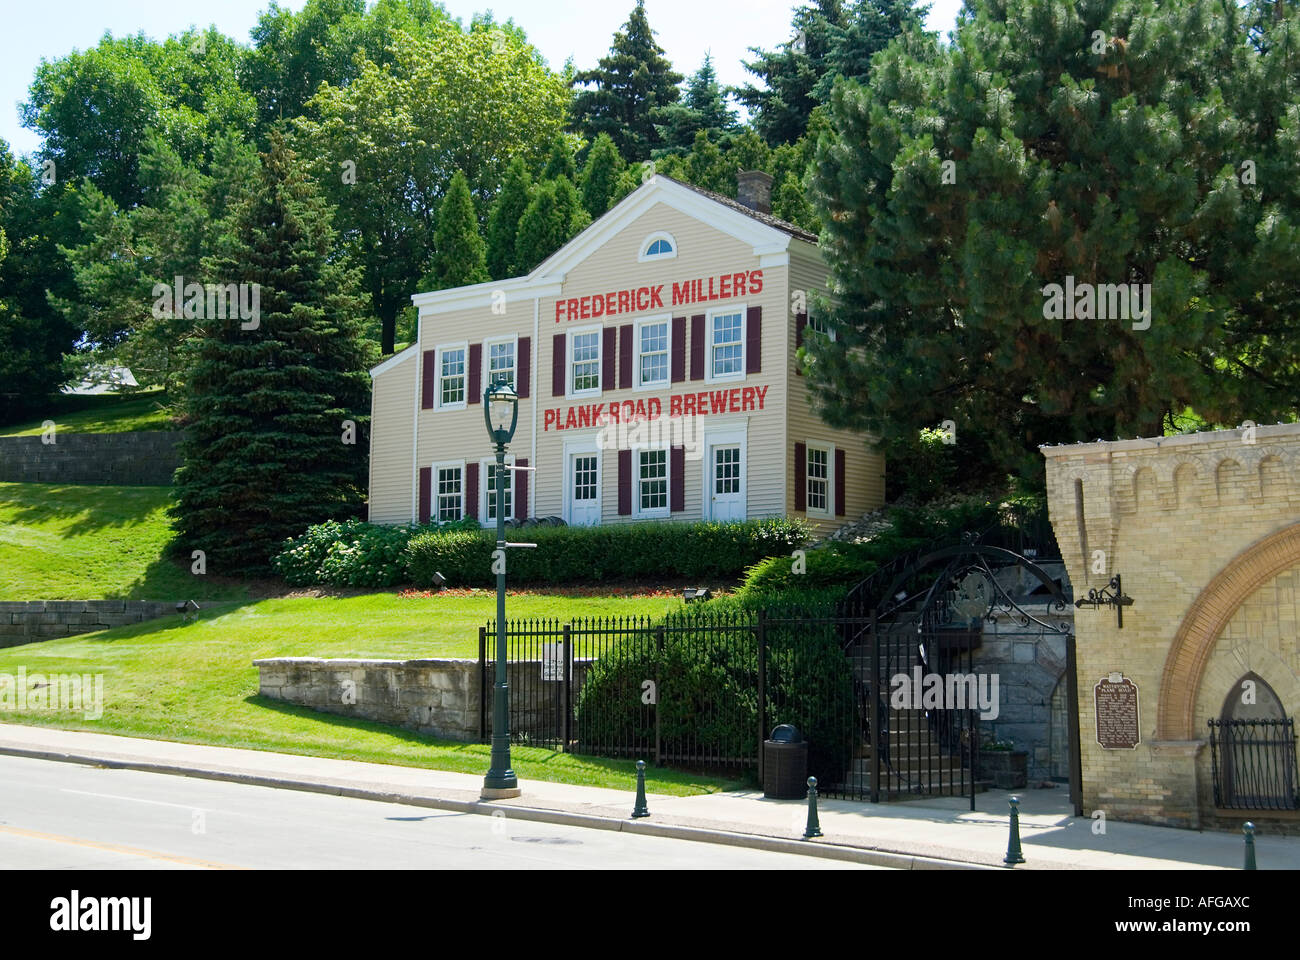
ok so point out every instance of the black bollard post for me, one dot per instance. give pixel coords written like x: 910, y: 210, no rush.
x: 814, y: 828
x: 1248, y: 829
x: 1014, y: 854
x: 640, y: 810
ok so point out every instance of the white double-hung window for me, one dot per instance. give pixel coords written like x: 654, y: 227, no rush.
x: 584, y: 361
x: 726, y: 345
x: 451, y: 376
x: 652, y: 352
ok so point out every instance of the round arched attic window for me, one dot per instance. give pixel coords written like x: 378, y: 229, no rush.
x: 658, y: 246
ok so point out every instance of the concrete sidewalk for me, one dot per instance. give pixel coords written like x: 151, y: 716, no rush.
x: 941, y: 833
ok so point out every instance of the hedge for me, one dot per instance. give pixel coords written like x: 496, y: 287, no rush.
x: 358, y: 554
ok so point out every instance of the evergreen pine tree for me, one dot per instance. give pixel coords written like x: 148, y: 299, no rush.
x: 621, y: 95
x: 503, y: 221
x: 459, y: 253
x: 268, y: 398
x: 600, y: 176
x: 704, y: 107
x: 559, y: 162
x: 964, y: 189
x: 554, y: 216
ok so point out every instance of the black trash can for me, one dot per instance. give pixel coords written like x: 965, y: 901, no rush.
x: 785, y: 764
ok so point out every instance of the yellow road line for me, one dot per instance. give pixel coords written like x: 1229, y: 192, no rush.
x: 117, y: 848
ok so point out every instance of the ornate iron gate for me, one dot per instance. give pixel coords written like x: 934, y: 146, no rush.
x: 911, y: 631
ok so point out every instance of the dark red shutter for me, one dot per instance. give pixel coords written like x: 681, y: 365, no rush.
x: 801, y: 476
x: 557, y: 365
x: 475, y: 372
x: 677, y: 479
x: 624, y: 483
x: 609, y: 358
x: 471, y: 490
x: 429, y: 374
x: 841, y: 472
x: 426, y: 493
x: 523, y: 367
x: 754, y: 340
x: 625, y: 334
x: 519, y: 490
x: 697, y: 347
x: 679, y: 349
x: 800, y: 321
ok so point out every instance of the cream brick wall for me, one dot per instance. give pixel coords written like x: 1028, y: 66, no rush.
x: 1205, y: 531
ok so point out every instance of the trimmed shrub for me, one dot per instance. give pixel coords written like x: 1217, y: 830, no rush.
x: 569, y: 555
x: 351, y: 553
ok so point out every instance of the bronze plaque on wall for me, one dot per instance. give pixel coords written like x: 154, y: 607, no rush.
x: 1115, y: 699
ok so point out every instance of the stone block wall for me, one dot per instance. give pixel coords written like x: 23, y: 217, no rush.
x: 143, y: 458
x: 27, y: 621
x: 1205, y: 531
x: 438, y: 697
x: 1028, y: 663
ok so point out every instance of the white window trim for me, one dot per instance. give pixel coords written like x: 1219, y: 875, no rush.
x: 433, y: 506
x: 438, y: 357
x: 829, y: 332
x: 483, y: 487
x: 653, y: 513
x: 648, y: 242
x: 486, y: 369
x: 708, y: 344
x: 569, y: 392
x: 667, y: 381
x: 588, y: 444
x: 720, y: 435
x: 829, y: 449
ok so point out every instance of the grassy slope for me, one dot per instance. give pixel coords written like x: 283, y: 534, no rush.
x: 61, y: 542
x: 105, y: 413
x: 196, y: 683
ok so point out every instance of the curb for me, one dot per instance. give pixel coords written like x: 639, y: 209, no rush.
x: 827, y: 851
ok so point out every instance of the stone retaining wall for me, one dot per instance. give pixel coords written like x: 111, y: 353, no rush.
x: 437, y: 697
x: 142, y: 458
x: 27, y: 621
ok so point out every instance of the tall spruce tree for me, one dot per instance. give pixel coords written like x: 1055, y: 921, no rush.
x: 554, y: 216
x: 1102, y: 145
x: 459, y: 253
x: 503, y: 220
x: 269, y: 398
x: 621, y: 95
x: 703, y: 107
x: 599, y: 182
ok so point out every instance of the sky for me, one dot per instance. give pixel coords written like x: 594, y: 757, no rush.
x: 560, y: 29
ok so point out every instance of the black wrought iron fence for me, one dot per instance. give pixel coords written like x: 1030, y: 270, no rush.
x: 1254, y: 764
x: 693, y: 690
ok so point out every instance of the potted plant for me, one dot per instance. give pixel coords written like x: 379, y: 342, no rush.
x: 1002, y: 763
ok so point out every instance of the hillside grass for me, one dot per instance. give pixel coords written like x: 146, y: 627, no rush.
x: 196, y: 683
x: 104, y: 413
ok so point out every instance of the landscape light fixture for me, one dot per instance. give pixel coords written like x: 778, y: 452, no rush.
x: 439, y: 581
x: 501, y: 414
x: 188, y: 610
x: 691, y: 594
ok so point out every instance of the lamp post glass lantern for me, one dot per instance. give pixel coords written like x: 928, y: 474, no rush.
x: 501, y: 414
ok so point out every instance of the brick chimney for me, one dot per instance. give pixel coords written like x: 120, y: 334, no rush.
x: 754, y: 190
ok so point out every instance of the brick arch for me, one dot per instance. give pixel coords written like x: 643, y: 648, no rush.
x: 1206, y: 619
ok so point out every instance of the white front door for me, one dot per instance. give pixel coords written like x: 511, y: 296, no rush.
x: 726, y: 482
x: 582, y: 489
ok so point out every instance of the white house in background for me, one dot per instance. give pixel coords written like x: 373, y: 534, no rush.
x: 654, y: 360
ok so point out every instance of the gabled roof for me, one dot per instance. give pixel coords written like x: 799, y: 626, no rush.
x: 766, y: 234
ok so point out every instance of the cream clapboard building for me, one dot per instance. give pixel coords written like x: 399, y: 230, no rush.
x: 654, y: 360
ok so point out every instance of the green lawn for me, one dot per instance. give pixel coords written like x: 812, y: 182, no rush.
x: 196, y: 683
x: 79, y: 542
x: 104, y: 413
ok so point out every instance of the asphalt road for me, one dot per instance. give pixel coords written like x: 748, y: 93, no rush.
x: 67, y: 816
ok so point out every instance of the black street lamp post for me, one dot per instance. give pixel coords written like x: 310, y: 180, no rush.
x: 501, y: 413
